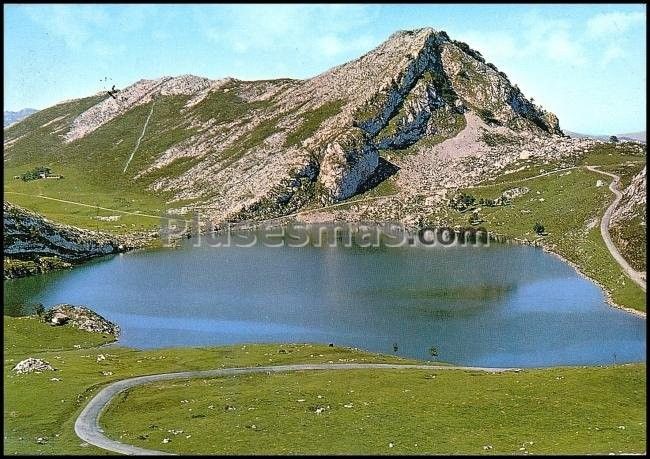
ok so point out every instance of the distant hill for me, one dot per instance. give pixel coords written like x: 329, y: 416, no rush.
x: 637, y: 136
x: 640, y: 136
x: 14, y: 117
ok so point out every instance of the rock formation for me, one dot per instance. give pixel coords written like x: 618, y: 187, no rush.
x: 80, y: 317
x: 628, y: 224
x: 31, y: 365
x: 34, y: 244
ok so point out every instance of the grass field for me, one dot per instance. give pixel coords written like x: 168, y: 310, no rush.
x: 35, y: 406
x: 553, y: 410
x: 577, y: 410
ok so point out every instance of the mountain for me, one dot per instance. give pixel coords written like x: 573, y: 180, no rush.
x: 637, y: 136
x: 421, y: 112
x: 14, y: 117
x: 632, y: 136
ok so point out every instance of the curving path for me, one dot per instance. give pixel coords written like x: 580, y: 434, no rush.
x: 604, y: 230
x: 136, y: 213
x: 87, y: 424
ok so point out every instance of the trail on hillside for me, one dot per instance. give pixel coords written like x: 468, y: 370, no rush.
x: 137, y: 144
x: 136, y: 213
x: 604, y: 230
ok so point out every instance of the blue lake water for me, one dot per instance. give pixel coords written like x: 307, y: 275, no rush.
x: 502, y: 305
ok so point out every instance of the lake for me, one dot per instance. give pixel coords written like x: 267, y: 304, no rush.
x: 501, y: 305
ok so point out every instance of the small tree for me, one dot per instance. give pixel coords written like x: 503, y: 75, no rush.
x: 539, y: 228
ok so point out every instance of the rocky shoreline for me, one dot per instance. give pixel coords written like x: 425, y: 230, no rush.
x: 80, y: 317
x: 33, y: 244
x: 67, y: 315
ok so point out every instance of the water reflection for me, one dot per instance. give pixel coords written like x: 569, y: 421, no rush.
x: 500, y: 305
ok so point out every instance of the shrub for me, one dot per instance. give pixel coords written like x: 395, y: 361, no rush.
x: 462, y: 202
x: 35, y: 173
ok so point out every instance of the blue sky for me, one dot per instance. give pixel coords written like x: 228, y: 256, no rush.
x: 585, y: 63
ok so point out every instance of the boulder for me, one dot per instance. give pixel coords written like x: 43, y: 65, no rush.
x: 80, y: 317
x: 515, y: 192
x: 58, y: 318
x: 31, y: 365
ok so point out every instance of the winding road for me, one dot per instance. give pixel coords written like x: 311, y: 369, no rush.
x: 87, y: 424
x: 604, y: 230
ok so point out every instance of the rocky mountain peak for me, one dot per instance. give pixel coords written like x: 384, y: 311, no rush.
x: 238, y: 143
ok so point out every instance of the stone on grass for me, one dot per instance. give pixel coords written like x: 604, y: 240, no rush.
x: 31, y: 365
x: 80, y: 317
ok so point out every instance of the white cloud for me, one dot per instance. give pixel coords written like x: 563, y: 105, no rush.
x: 330, y: 45
x: 561, y: 47
x: 613, y: 23
x: 551, y: 39
x: 497, y: 46
x: 612, y: 53
x: 306, y: 34
x: 75, y: 25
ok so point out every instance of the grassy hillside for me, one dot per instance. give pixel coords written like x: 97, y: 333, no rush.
x: 93, y: 166
x: 569, y: 205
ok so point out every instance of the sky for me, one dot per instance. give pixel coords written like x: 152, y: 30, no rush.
x: 585, y: 63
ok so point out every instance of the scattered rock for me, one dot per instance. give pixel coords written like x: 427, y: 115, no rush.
x: 515, y: 192
x: 31, y: 365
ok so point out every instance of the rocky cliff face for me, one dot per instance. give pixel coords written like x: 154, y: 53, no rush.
x: 634, y: 198
x: 33, y: 244
x: 628, y: 224
x: 257, y: 149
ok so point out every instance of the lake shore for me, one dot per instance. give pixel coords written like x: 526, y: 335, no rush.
x: 598, y: 396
